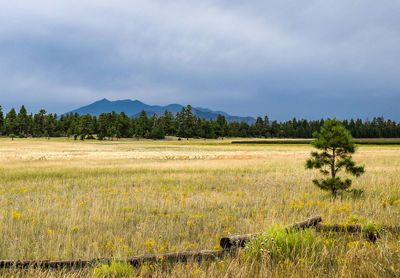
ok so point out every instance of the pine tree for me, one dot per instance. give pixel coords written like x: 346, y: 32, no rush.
x: 169, y: 123
x: 337, y: 145
x: 103, y: 126
x: 158, y: 131
x: 85, y: 125
x: 141, y: 129
x: 221, y: 126
x: 39, y: 123
x: 1, y: 120
x: 11, y: 123
x: 23, y: 121
x: 258, y: 127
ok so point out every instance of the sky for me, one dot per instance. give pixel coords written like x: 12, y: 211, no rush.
x: 284, y: 59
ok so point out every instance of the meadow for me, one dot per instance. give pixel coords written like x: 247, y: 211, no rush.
x: 62, y: 199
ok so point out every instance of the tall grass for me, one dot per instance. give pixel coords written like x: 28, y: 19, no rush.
x: 63, y: 199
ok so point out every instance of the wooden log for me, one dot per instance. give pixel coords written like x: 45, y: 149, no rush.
x: 349, y: 228
x: 177, y: 257
x: 372, y: 235
x: 135, y: 261
x: 227, y: 243
x: 241, y: 240
x: 47, y: 263
x: 391, y: 229
x: 353, y: 228
x: 310, y: 222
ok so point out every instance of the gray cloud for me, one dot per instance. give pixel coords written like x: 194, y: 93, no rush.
x: 282, y: 58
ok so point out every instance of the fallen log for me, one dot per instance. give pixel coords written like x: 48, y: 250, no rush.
x: 177, y: 257
x: 349, y: 228
x: 354, y: 228
x: 310, y: 222
x: 372, y: 235
x: 135, y: 261
x: 241, y: 240
x: 391, y: 229
x: 227, y: 243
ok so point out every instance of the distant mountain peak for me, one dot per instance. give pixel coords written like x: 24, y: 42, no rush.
x: 133, y: 108
x: 104, y: 100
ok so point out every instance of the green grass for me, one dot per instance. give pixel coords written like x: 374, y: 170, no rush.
x: 358, y: 141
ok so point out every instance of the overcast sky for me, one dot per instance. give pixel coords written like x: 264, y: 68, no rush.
x: 286, y: 59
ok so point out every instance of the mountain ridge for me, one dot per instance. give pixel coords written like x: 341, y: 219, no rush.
x: 133, y: 108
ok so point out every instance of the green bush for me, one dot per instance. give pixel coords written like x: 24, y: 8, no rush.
x: 283, y: 245
x: 114, y: 269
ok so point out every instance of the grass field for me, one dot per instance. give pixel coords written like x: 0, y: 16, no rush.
x: 358, y: 141
x: 66, y: 199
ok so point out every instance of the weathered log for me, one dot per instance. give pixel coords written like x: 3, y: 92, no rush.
x: 310, y: 222
x: 372, y: 235
x: 227, y: 243
x: 349, y: 228
x: 47, y: 263
x: 353, y: 228
x: 177, y: 257
x: 135, y: 261
x: 391, y: 229
x: 241, y: 240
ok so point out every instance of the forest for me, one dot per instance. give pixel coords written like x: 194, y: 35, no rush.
x: 183, y: 125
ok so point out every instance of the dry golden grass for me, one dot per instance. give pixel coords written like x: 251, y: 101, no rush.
x: 65, y: 199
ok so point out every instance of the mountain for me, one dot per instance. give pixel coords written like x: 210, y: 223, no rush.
x: 133, y: 108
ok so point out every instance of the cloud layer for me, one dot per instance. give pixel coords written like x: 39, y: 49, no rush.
x: 282, y: 58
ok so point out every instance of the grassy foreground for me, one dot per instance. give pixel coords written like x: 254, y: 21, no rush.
x: 65, y: 199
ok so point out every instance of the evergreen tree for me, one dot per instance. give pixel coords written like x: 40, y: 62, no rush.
x: 123, y: 126
x: 221, y: 126
x: 157, y: 131
x: 169, y: 124
x: 1, y: 120
x: 51, y: 125
x: 207, y: 130
x: 85, y: 125
x: 11, y: 123
x: 243, y: 129
x: 23, y: 121
x: 112, y: 131
x: 141, y: 129
x: 337, y: 145
x: 102, y: 126
x: 186, y: 122
x: 258, y: 129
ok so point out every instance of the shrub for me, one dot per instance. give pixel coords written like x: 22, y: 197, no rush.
x: 114, y: 269
x: 282, y: 245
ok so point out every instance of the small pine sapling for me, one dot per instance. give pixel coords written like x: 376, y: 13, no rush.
x: 337, y: 146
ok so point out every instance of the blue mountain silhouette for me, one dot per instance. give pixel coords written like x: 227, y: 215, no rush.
x: 133, y: 108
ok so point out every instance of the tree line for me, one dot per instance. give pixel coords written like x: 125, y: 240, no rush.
x: 183, y: 125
